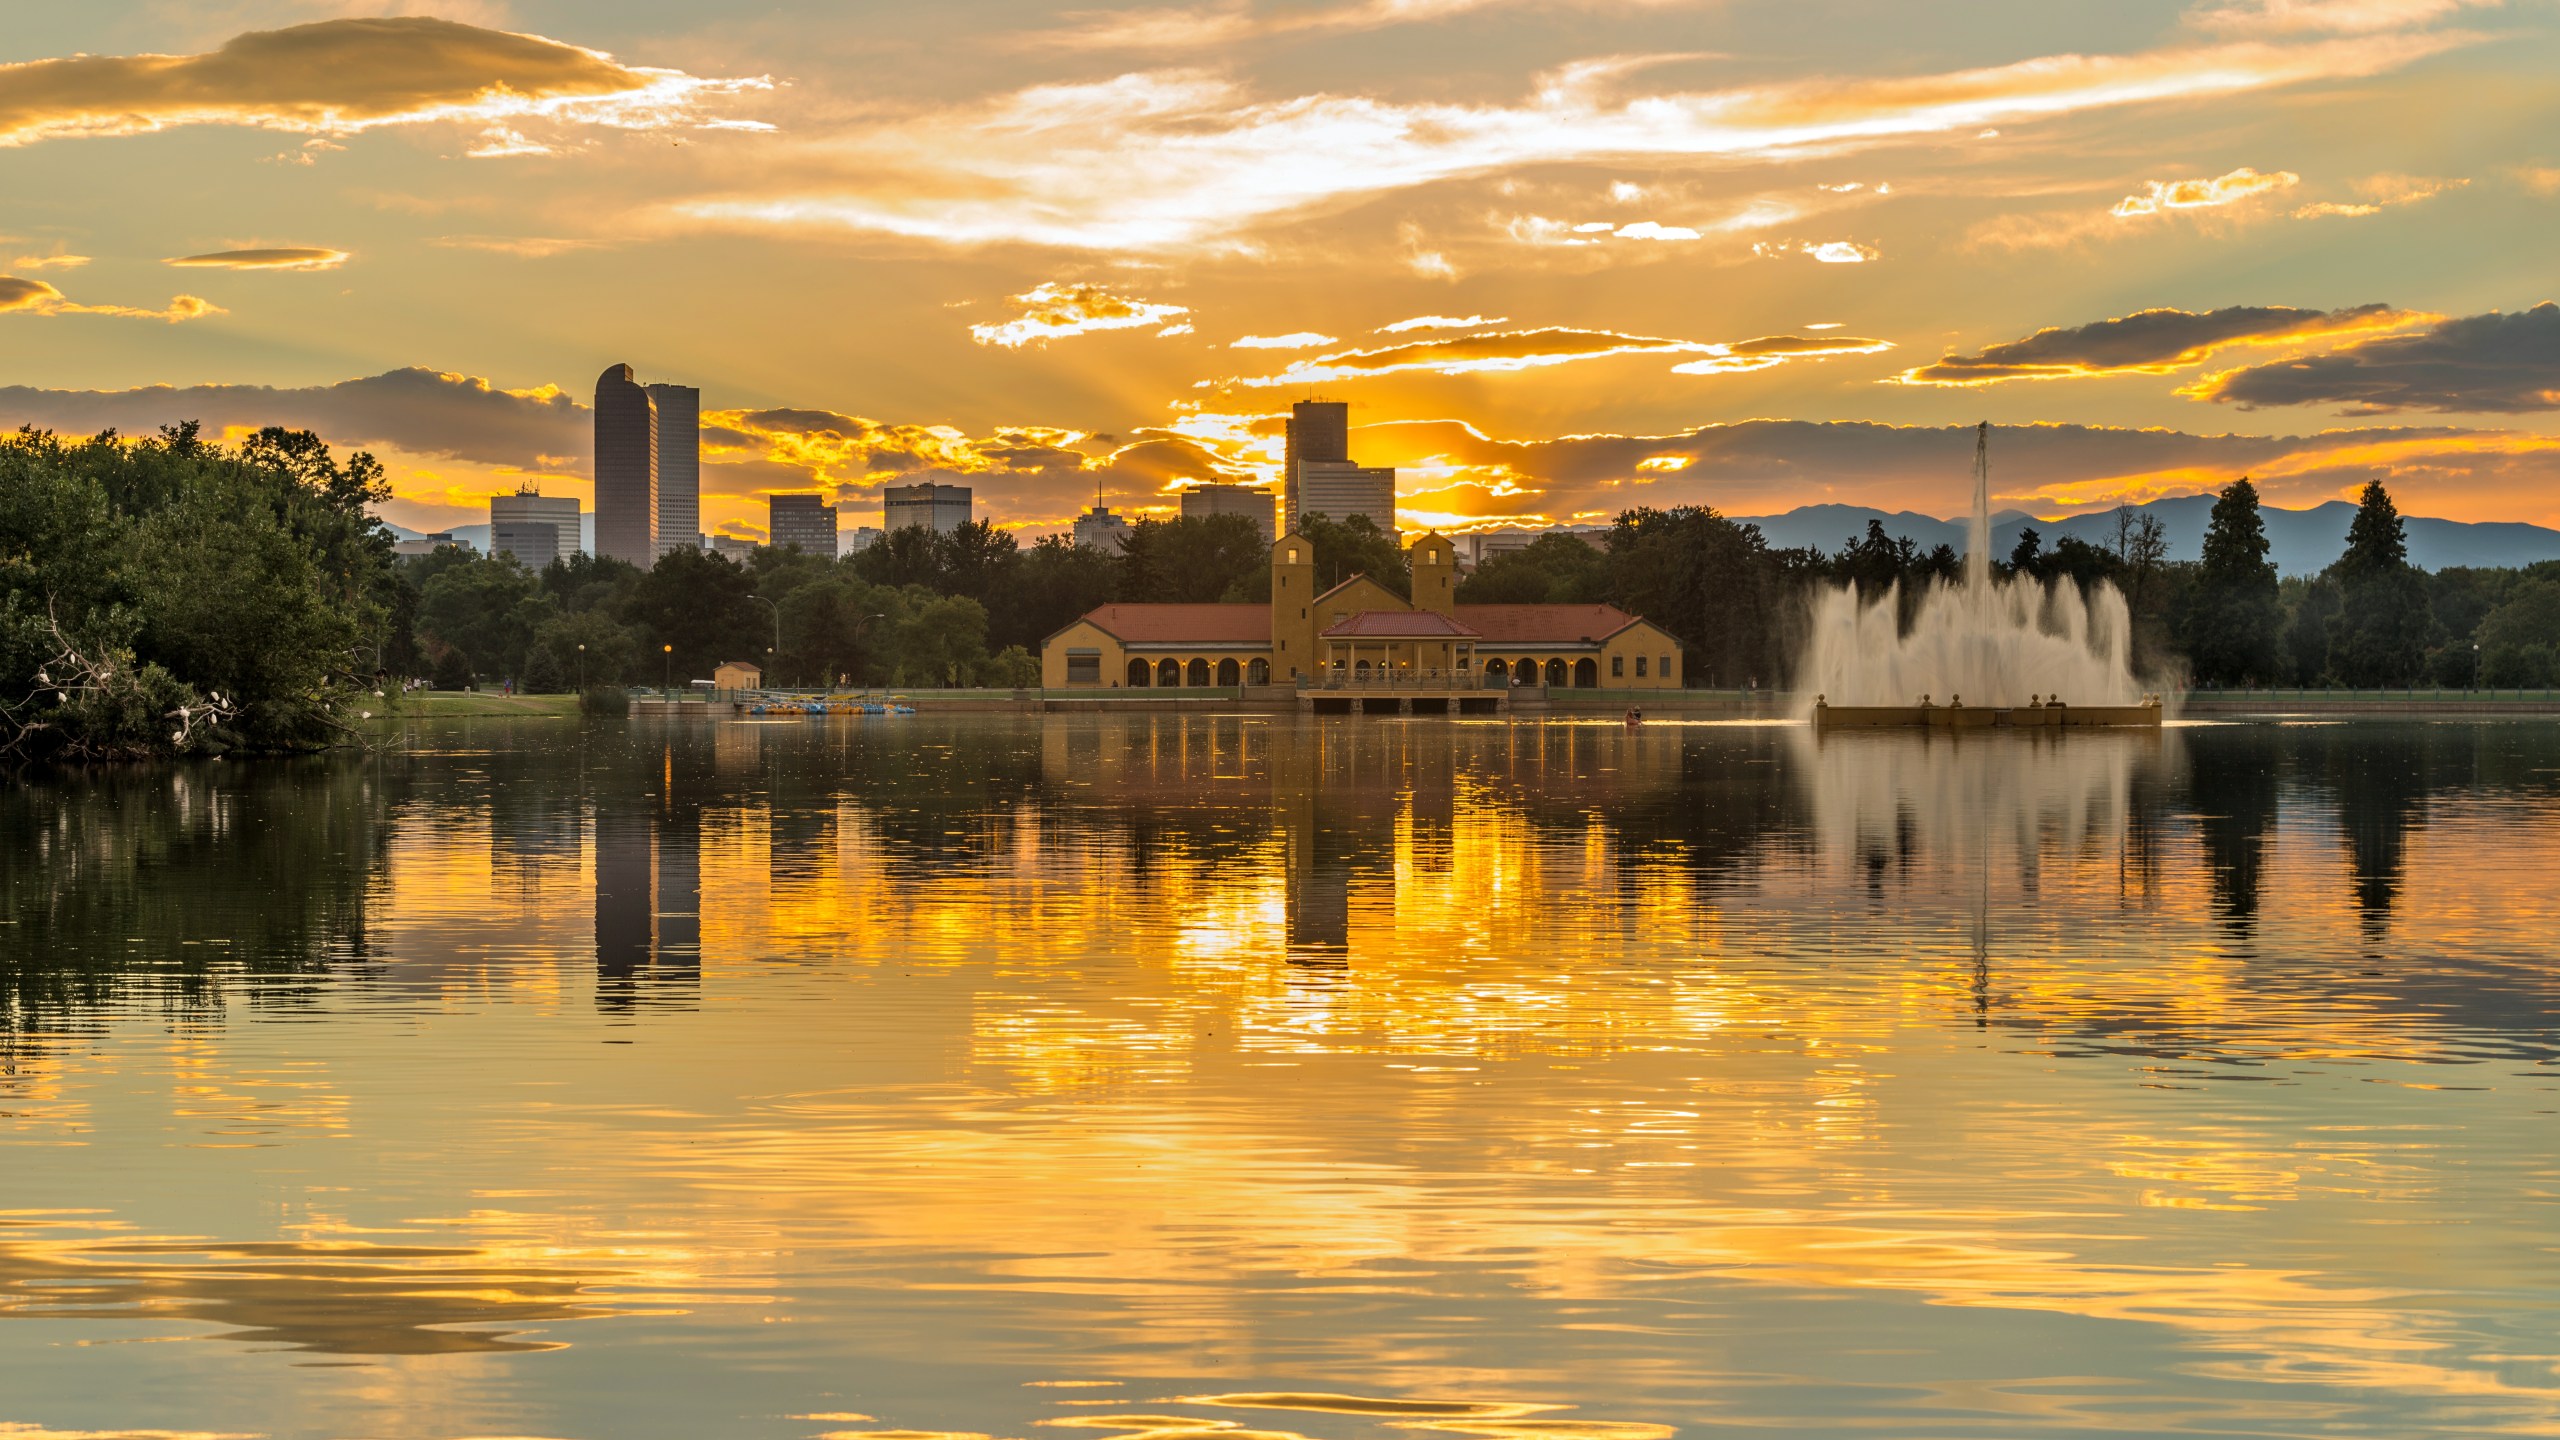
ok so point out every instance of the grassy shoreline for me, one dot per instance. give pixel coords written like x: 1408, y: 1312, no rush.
x: 457, y: 704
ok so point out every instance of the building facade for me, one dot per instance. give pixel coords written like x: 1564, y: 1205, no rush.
x: 731, y: 548
x: 1253, y: 502
x: 626, y: 422
x: 533, y: 527
x: 1339, y: 489
x: 679, y: 455
x: 940, y: 508
x: 861, y: 537
x: 1318, y: 431
x: 1360, y: 629
x: 803, y: 522
x: 1099, y: 529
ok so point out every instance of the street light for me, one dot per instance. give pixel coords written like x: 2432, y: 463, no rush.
x: 582, y: 669
x: 2475, y: 667
x: 670, y: 651
x: 777, y: 625
x: 861, y: 625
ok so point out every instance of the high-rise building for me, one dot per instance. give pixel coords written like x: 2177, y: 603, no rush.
x: 803, y: 522
x: 940, y: 508
x: 626, y: 469
x: 427, y: 544
x: 1341, y: 490
x: 533, y: 527
x: 1099, y: 529
x: 1319, y: 430
x: 679, y: 447
x: 861, y: 537
x: 730, y: 547
x: 1253, y: 502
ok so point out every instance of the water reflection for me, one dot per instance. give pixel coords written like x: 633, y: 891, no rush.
x: 1576, y: 1081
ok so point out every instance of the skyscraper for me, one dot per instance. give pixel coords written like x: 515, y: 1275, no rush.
x: 679, y: 466
x: 533, y: 527
x: 626, y: 469
x: 803, y: 521
x: 1250, y: 501
x: 1341, y: 490
x: 1099, y: 529
x: 1319, y: 430
x: 940, y: 508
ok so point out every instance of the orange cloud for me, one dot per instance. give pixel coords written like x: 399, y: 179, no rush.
x: 2168, y: 197
x: 288, y: 257
x: 337, y: 77
x: 2480, y: 364
x: 34, y: 297
x: 1056, y: 310
x: 1508, y: 350
x: 2155, y: 342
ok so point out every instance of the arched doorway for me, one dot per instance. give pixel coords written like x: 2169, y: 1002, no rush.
x: 1199, y: 672
x: 1139, y: 672
x: 1524, y: 671
x: 1555, y: 672
x: 1361, y: 669
x: 1586, y: 673
x: 1258, y: 673
x: 1230, y: 673
x: 1497, y: 670
x: 1168, y: 672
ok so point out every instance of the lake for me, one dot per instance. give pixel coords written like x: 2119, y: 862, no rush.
x: 1157, y: 1075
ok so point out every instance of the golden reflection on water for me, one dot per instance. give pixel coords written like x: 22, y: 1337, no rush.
x: 1527, y: 1069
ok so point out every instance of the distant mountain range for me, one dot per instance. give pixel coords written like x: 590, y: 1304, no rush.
x: 2302, y: 542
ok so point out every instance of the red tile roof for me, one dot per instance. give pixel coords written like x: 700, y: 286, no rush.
x: 1184, y: 624
x: 1398, y: 625
x: 1544, y: 624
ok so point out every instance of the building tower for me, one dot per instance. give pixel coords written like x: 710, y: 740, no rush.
x: 1293, y: 595
x: 533, y: 527
x: 807, y: 522
x: 1435, y: 573
x: 679, y: 466
x: 626, y: 469
x: 1319, y: 430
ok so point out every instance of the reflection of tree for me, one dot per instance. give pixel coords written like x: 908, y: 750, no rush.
x: 2234, y: 779
x: 2380, y: 777
x: 183, y: 879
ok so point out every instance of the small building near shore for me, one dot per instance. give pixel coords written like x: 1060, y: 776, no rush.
x: 738, y: 675
x: 1355, y: 630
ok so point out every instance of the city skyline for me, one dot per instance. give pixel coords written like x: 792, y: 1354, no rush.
x: 1559, y: 260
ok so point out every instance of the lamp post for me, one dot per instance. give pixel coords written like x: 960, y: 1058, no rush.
x: 2475, y: 667
x: 858, y: 627
x: 670, y: 652
x: 777, y: 625
x: 582, y: 669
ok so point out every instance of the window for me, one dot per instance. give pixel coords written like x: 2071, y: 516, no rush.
x: 1666, y: 667
x: 1293, y: 554
x: 1084, y: 669
x: 1618, y: 666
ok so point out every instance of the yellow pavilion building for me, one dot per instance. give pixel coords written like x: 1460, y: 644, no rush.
x: 1359, y: 630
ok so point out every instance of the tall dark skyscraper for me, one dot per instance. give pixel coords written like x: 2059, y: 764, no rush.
x: 679, y: 466
x: 1319, y: 430
x: 626, y: 469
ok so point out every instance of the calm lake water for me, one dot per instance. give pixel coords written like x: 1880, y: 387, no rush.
x: 1342, y: 1079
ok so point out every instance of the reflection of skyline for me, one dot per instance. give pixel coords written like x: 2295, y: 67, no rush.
x: 648, y: 896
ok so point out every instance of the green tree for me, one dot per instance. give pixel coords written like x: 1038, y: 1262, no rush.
x: 2232, y: 626
x: 936, y: 639
x: 1550, y: 570
x: 490, y: 608
x: 1196, y: 560
x: 699, y: 603
x: 826, y: 626
x: 1053, y: 584
x: 1343, y: 548
x: 2518, y: 639
x: 1710, y: 582
x: 2306, y: 635
x: 610, y: 653
x: 2383, y: 628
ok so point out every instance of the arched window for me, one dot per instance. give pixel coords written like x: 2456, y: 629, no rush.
x: 1258, y: 673
x: 1555, y: 672
x: 1168, y: 672
x: 1361, y: 669
x: 1199, y: 672
x: 1586, y: 672
x: 1139, y: 674
x: 1230, y: 673
x: 1496, y: 670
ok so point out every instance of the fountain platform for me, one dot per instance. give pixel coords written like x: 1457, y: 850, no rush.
x: 1985, y: 717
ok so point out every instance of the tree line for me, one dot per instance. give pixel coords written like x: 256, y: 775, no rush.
x: 172, y: 594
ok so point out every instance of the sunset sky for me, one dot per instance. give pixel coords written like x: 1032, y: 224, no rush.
x: 1561, y: 256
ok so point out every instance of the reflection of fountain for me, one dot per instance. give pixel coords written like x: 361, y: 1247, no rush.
x: 1996, y: 643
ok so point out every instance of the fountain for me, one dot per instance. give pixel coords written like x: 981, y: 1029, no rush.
x: 1986, y: 652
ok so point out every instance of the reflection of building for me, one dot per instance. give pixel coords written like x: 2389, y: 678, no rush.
x: 1253, y: 502
x: 806, y: 523
x: 1099, y: 529
x: 939, y: 508
x: 626, y: 469
x: 1358, y: 629
x: 533, y: 527
x: 648, y: 860
x: 679, y: 455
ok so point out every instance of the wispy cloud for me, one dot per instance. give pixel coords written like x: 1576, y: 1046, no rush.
x: 1167, y: 159
x: 1302, y: 340
x: 2495, y: 364
x: 2326, y: 17
x: 49, y: 262
x: 285, y: 257
x: 1442, y: 322
x: 1828, y: 252
x: 34, y: 297
x: 2380, y: 193
x: 529, y: 247
x: 1055, y: 310
x: 422, y: 411
x: 341, y: 77
x: 1512, y: 350
x: 2169, y: 197
x: 2233, y: 193
x: 2156, y: 342
x: 1232, y: 22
